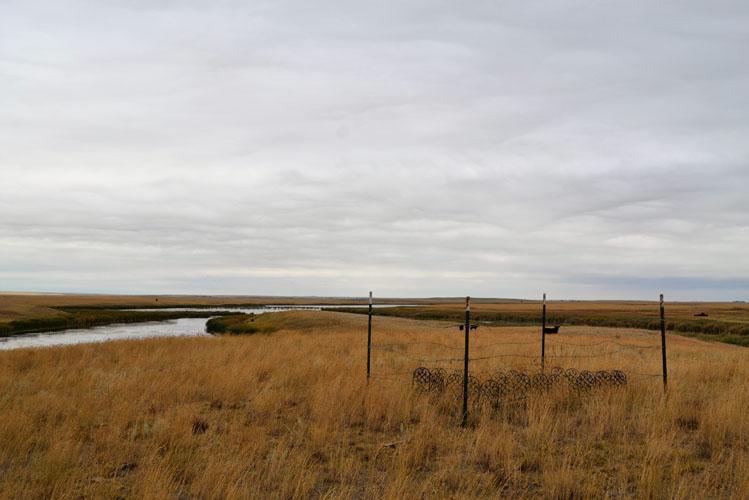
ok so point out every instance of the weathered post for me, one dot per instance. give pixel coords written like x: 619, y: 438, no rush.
x: 466, y: 331
x: 369, y: 336
x: 543, y: 334
x: 663, y: 344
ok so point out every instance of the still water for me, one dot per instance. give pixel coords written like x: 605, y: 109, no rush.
x: 183, y: 327
x: 173, y: 328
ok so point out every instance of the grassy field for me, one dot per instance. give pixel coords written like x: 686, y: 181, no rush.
x: 289, y: 415
x: 724, y: 322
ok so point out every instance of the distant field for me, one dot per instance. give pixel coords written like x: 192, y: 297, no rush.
x: 289, y: 414
x: 724, y: 322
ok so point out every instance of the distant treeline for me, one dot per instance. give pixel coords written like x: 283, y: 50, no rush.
x: 723, y: 331
x: 87, y: 318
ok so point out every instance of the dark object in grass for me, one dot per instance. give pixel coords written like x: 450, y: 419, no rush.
x: 199, y: 426
x: 701, y: 315
x: 124, y: 469
x: 550, y: 330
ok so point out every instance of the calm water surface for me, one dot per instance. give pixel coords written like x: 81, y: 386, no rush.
x: 182, y: 327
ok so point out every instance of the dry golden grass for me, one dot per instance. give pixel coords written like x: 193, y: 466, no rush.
x: 723, y: 311
x: 289, y: 415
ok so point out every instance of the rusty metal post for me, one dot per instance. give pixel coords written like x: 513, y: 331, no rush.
x: 663, y: 344
x: 543, y: 334
x: 369, y: 336
x: 466, y: 331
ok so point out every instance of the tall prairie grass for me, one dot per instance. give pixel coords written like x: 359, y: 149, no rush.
x: 290, y: 415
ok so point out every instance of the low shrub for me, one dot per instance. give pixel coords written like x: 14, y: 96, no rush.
x: 239, y: 324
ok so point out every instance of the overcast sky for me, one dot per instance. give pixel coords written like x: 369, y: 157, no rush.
x: 591, y: 149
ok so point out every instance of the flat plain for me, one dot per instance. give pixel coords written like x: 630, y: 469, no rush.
x: 290, y: 414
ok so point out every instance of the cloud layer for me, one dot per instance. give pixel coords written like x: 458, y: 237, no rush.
x: 589, y: 149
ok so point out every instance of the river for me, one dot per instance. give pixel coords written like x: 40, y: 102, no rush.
x: 183, y: 327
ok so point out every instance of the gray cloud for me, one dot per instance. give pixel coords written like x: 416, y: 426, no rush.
x: 417, y: 148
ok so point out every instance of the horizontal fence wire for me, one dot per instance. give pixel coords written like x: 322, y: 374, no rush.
x: 507, y: 355
x: 502, y: 344
x: 495, y: 344
x: 391, y: 375
x: 531, y: 342
x: 603, y: 342
x: 386, y: 346
x: 419, y: 360
x: 392, y: 348
x: 548, y: 355
x: 645, y: 374
x: 638, y: 333
x: 596, y: 355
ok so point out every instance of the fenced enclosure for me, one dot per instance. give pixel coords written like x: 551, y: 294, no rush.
x: 498, y: 377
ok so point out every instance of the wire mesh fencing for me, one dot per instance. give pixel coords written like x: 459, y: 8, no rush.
x: 515, y: 384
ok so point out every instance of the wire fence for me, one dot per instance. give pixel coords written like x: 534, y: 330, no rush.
x: 514, y: 384
x: 401, y: 348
